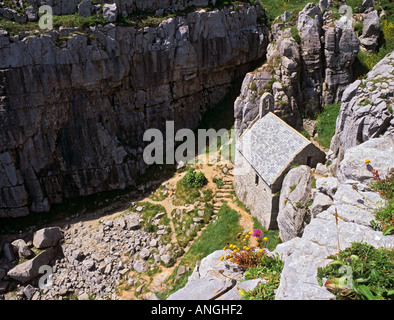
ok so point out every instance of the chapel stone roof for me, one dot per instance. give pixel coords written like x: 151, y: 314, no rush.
x: 270, y: 145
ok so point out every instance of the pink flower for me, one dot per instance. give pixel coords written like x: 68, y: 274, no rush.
x: 257, y: 233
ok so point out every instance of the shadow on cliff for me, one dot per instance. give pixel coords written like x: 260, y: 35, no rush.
x: 110, y: 202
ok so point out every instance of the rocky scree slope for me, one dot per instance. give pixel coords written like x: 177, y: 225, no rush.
x: 74, y: 104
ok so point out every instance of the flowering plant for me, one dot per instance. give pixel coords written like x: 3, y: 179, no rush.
x: 246, y: 257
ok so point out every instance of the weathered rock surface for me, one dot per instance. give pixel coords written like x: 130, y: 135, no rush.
x: 308, y: 65
x: 22, y: 249
x: 293, y: 214
x: 303, y: 255
x: 124, y: 7
x: 365, y: 109
x: 379, y: 151
x: 47, y: 237
x: 74, y: 107
x: 28, y: 270
x: 371, y: 31
x: 362, y: 133
x: 214, y: 279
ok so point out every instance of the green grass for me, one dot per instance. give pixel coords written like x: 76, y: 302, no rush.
x: 186, y: 220
x: 369, y: 273
x: 326, y: 124
x: 385, y: 213
x: 270, y: 269
x: 274, y: 8
x: 366, y: 61
x: 272, y: 235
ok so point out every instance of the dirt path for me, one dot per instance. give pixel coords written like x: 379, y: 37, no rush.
x: 222, y: 195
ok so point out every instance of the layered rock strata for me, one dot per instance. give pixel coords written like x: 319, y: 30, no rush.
x: 74, y: 104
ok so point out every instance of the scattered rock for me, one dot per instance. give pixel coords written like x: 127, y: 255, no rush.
x: 140, y: 266
x: 47, y: 237
x: 320, y: 203
x: 22, y: 249
x: 110, y: 12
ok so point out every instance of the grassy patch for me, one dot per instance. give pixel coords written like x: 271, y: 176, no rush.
x: 326, y: 124
x: 213, y: 238
x: 272, y: 235
x: 371, y: 270
x: 366, y: 61
x: 269, y: 269
x: 148, y: 213
x: 385, y: 214
x: 188, y: 223
x: 160, y: 194
x: 189, y: 189
x: 274, y: 8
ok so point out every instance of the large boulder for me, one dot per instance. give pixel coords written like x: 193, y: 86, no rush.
x: 85, y: 8
x: 378, y: 151
x: 28, y: 270
x: 110, y: 12
x: 365, y: 109
x: 47, y: 237
x: 293, y: 213
x: 22, y: 249
x: 213, y: 279
x: 371, y: 31
x: 207, y: 288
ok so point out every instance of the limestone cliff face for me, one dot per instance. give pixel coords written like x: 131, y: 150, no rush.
x: 308, y: 65
x: 74, y: 106
x: 366, y: 110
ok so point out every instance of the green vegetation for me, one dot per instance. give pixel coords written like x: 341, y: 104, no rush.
x: 360, y: 272
x: 326, y: 124
x: 148, y: 213
x: 274, y: 8
x: 358, y: 28
x: 194, y: 179
x: 183, y: 223
x: 213, y: 238
x: 385, y: 214
x: 190, y: 188
x: 305, y: 133
x: 272, y: 235
x: 366, y: 61
x: 160, y: 194
x: 219, y: 182
x: 269, y: 269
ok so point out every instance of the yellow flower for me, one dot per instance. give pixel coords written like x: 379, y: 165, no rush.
x: 231, y: 259
x: 225, y: 248
x: 226, y: 256
x: 221, y: 258
x: 247, y: 248
x: 250, y: 233
x: 235, y: 250
x: 261, y: 250
x: 265, y: 239
x: 367, y: 161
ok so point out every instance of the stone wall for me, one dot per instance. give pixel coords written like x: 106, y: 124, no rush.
x: 258, y: 198
x: 74, y: 104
